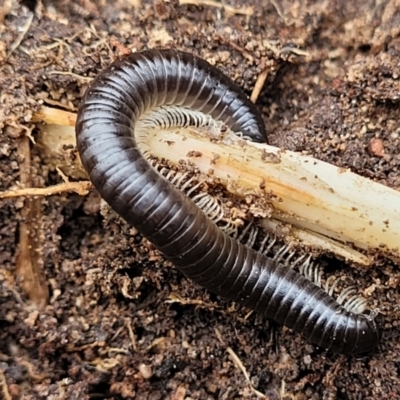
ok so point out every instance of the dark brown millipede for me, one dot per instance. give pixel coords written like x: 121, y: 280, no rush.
x: 140, y: 82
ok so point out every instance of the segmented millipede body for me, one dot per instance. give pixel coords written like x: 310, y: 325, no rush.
x: 105, y: 129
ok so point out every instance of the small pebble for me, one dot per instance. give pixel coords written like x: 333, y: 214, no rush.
x: 145, y: 370
x: 377, y: 147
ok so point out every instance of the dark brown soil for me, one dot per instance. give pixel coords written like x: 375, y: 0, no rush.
x: 108, y: 327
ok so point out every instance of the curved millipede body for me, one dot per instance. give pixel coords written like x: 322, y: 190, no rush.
x: 105, y: 130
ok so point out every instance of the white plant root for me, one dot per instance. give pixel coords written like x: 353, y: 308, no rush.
x: 327, y: 207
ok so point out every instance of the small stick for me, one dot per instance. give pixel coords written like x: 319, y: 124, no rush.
x: 82, y: 188
x: 259, y: 85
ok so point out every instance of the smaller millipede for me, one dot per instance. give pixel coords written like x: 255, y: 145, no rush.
x: 143, y: 82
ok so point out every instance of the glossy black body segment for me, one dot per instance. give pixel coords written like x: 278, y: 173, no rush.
x: 177, y: 227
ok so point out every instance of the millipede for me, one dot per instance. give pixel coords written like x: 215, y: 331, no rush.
x: 143, y: 82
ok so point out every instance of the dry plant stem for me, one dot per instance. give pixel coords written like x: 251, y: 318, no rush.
x: 29, y: 265
x: 82, y: 188
x: 258, y: 85
x: 238, y: 363
x: 328, y: 207
x: 305, y: 192
x: 4, y: 387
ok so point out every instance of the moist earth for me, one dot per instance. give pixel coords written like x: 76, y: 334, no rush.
x: 88, y: 308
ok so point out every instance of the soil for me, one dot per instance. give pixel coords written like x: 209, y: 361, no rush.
x: 88, y: 309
